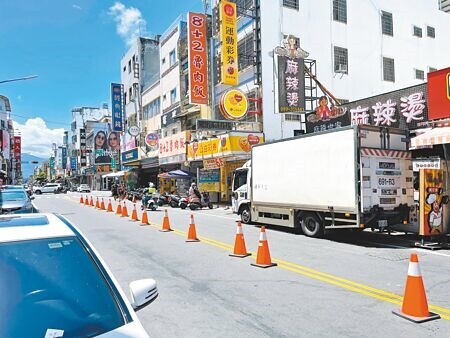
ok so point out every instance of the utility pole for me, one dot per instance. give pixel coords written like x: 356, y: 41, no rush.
x: 20, y: 78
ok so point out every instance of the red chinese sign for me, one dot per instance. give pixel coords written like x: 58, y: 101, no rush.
x: 198, y: 51
x: 173, y: 145
x: 439, y: 94
x: 18, y: 153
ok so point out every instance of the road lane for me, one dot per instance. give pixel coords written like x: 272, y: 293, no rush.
x: 220, y: 234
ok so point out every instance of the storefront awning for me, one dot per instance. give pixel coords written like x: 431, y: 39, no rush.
x: 117, y: 174
x: 431, y: 137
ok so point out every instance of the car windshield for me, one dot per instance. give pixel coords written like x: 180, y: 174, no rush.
x: 8, y: 195
x: 53, y: 284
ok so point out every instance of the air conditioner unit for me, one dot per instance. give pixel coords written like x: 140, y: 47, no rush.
x: 340, y: 68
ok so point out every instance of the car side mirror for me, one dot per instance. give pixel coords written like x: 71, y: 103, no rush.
x: 143, y: 292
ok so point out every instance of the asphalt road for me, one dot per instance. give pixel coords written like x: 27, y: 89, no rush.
x: 343, y: 286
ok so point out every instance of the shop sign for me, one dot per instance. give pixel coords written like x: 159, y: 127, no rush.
x: 169, y: 118
x: 432, y: 221
x: 18, y: 152
x: 73, y: 163
x: 173, y: 145
x: 214, y: 125
x: 151, y: 139
x: 439, y: 94
x: 228, y: 41
x: 117, y: 106
x: 233, y: 104
x: 134, y: 131
x: 130, y: 155
x: 82, y: 147
x: 209, y: 180
x: 197, y: 53
x: 234, y: 143
x: 213, y: 163
x: 432, y: 163
x: 405, y: 109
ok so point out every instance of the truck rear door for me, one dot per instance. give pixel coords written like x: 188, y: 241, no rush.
x: 386, y: 178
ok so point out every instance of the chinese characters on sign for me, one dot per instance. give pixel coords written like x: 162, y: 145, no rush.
x: 228, y: 39
x: 291, y: 89
x: 17, y: 153
x: 82, y: 147
x: 405, y: 109
x: 117, y: 106
x: 198, y: 71
x: 172, y: 149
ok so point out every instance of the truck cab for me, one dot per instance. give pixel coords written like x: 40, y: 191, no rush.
x: 240, y: 193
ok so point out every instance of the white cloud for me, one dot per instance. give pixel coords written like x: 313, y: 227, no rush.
x: 76, y: 7
x: 130, y: 23
x: 37, y: 138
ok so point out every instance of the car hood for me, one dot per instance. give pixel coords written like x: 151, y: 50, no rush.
x: 13, y: 204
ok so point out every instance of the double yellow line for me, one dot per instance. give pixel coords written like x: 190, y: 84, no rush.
x: 325, y: 277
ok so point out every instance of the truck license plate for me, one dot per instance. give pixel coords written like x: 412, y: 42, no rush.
x: 382, y: 223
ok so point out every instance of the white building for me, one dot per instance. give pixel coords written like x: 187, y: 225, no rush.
x: 361, y: 48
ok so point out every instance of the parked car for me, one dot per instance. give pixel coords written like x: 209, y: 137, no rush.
x: 18, y: 186
x: 49, y: 187
x: 54, y: 276
x: 83, y: 188
x: 15, y: 200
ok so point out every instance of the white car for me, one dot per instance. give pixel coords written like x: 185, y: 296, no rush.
x: 56, y: 285
x: 83, y: 188
x: 49, y: 187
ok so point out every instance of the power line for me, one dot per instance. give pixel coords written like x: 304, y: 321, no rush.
x: 47, y: 121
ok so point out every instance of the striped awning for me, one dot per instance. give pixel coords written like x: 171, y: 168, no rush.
x: 431, y: 137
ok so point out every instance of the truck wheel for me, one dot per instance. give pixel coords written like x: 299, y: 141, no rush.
x: 245, y: 215
x: 311, y: 226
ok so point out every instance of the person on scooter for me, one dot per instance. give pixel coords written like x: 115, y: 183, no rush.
x: 151, y: 188
x: 194, y: 194
x: 148, y: 195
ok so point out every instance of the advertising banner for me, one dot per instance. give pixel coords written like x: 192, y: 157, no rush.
x: 228, y: 40
x: 64, y: 157
x: 117, y: 106
x: 5, y: 144
x: 432, y: 200
x: 291, y: 84
x: 106, y: 144
x: 82, y: 147
x: 73, y: 163
x: 209, y: 180
x: 18, y: 153
x: 234, y: 143
x: 198, y: 56
x: 172, y: 149
x: 439, y: 94
x: 405, y: 109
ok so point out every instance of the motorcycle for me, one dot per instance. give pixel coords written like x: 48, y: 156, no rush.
x: 184, y: 202
x: 204, y: 202
x: 174, y: 201
x: 149, y: 202
x: 163, y: 199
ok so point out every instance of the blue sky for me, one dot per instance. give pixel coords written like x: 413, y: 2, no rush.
x: 75, y: 48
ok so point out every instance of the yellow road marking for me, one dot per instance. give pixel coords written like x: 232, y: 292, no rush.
x: 322, y: 276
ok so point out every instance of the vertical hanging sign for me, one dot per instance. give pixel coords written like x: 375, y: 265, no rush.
x: 198, y: 54
x: 117, y: 106
x: 228, y: 40
x: 18, y: 153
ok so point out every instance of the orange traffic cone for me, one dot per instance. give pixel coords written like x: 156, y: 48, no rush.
x: 263, y: 256
x: 86, y: 200
x: 81, y: 199
x: 415, y: 305
x: 124, y: 210
x: 144, y: 218
x: 102, y: 205
x: 119, y: 209
x: 192, y: 234
x: 134, y: 216
x: 91, y: 202
x: 166, y: 223
x: 97, y: 204
x: 110, y: 209
x: 239, y: 243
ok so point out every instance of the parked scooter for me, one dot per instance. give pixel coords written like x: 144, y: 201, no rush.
x: 163, y: 199
x: 174, y: 200
x: 204, y: 202
x: 184, y: 202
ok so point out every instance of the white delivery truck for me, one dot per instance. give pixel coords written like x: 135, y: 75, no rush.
x: 352, y: 177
